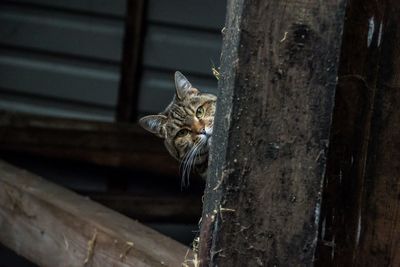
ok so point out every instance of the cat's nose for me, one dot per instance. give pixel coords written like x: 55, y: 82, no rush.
x: 203, y: 131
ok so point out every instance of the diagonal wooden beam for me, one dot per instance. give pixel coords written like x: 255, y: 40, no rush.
x: 52, y: 226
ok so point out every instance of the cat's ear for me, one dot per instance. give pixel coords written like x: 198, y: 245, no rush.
x: 154, y: 124
x: 183, y: 86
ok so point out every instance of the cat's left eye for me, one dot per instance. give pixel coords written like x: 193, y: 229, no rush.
x: 200, y: 112
x: 182, y: 133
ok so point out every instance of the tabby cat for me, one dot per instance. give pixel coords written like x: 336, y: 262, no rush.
x: 186, y: 126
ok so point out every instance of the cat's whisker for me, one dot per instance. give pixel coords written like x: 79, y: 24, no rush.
x: 203, y: 143
x: 185, y: 163
x: 189, y: 159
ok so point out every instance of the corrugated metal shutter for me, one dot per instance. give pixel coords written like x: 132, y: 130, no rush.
x: 181, y: 35
x: 61, y: 57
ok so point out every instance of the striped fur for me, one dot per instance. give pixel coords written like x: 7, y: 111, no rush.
x: 186, y: 126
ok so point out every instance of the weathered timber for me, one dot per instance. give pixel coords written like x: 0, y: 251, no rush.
x: 379, y: 226
x: 350, y: 135
x: 128, y: 89
x: 360, y: 219
x: 110, y: 144
x: 52, y: 226
x: 279, y: 69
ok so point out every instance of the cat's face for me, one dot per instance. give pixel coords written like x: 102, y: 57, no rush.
x: 186, y: 125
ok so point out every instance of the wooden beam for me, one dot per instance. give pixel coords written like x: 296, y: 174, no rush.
x: 110, y: 144
x: 130, y: 71
x: 279, y: 69
x: 52, y: 226
x: 360, y: 219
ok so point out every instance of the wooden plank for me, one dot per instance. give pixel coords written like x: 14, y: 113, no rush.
x: 102, y: 143
x: 52, y: 226
x: 360, y: 218
x: 279, y: 67
x: 132, y: 46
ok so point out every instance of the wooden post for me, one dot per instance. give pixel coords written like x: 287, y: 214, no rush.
x: 130, y: 74
x: 279, y: 69
x: 360, y: 213
x: 52, y: 226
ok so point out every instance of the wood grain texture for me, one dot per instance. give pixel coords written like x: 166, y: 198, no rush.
x: 279, y: 67
x: 379, y: 243
x: 52, y: 226
x: 346, y: 167
x: 360, y: 219
x: 107, y: 144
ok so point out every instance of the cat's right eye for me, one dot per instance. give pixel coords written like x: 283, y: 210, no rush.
x: 182, y: 133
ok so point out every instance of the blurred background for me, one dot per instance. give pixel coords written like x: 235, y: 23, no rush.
x: 75, y: 75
